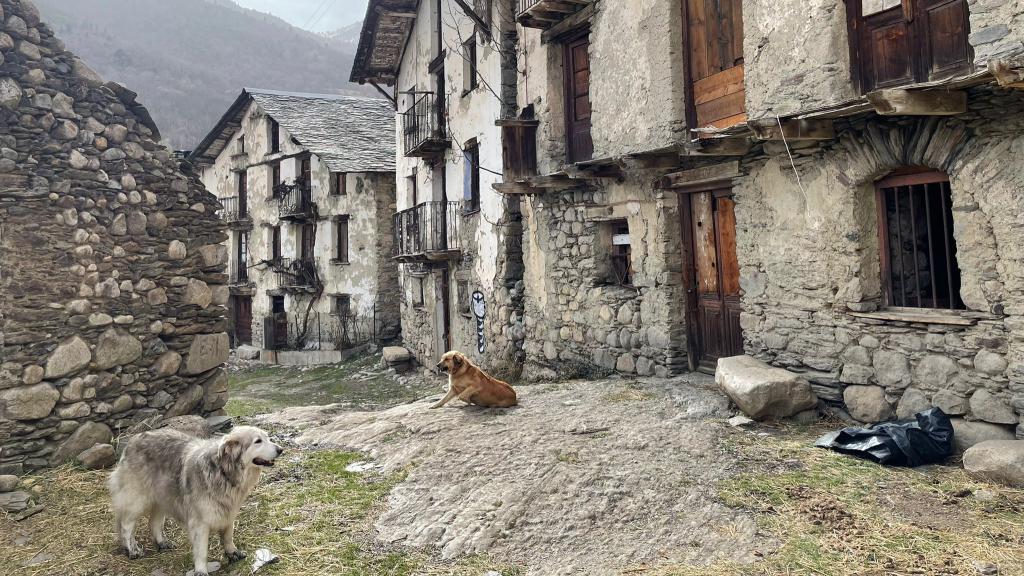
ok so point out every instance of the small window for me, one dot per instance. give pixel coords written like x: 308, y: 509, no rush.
x: 918, y: 252
x: 241, y: 144
x: 465, y: 305
x: 243, y: 194
x: 277, y: 304
x: 275, y: 177
x: 343, y: 305
x: 469, y: 66
x: 417, y: 292
x: 621, y: 259
x: 275, y: 243
x: 471, y: 193
x: 242, y: 257
x: 338, y: 183
x: 341, y: 249
x: 275, y: 136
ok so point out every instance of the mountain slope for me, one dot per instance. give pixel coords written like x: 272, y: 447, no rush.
x: 189, y: 59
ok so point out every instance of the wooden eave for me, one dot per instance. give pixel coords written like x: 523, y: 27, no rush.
x: 382, y: 41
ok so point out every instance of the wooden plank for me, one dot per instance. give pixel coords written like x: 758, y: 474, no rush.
x: 704, y: 243
x: 1008, y: 72
x: 718, y: 85
x: 768, y: 129
x: 569, y: 25
x: 917, y: 317
x: 698, y: 40
x: 725, y: 225
x: 711, y: 146
x: 898, y: 102
x: 703, y: 175
x: 720, y: 108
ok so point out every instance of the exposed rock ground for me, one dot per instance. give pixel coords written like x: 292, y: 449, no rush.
x: 581, y: 478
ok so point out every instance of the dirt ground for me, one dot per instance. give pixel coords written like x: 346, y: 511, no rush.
x: 599, y: 478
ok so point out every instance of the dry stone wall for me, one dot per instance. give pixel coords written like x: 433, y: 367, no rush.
x: 111, y: 264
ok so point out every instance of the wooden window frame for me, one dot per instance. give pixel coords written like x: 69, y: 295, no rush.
x: 242, y: 191
x: 275, y: 243
x: 920, y: 55
x: 339, y: 183
x: 470, y: 80
x: 274, y: 135
x: 241, y: 144
x: 275, y: 176
x: 342, y: 247
x: 471, y: 193
x: 572, y: 155
x: 953, y: 281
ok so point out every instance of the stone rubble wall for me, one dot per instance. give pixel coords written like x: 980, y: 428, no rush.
x: 577, y: 324
x: 809, y: 256
x: 111, y: 264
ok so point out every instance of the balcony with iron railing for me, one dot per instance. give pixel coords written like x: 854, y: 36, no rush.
x: 423, y: 133
x: 427, y: 232
x: 235, y: 212
x: 295, y: 202
x: 546, y: 13
x: 295, y: 274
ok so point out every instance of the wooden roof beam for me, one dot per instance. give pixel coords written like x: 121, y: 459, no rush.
x: 792, y: 129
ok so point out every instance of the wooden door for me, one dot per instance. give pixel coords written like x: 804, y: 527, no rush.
x: 715, y: 38
x: 280, y: 316
x: 307, y: 183
x: 579, y: 143
x: 242, y: 310
x: 308, y: 242
x: 714, y: 283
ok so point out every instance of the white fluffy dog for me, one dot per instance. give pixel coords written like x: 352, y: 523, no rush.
x: 200, y: 483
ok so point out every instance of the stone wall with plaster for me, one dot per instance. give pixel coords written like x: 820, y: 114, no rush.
x: 111, y: 263
x: 809, y: 256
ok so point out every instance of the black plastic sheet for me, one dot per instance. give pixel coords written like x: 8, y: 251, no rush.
x: 925, y: 440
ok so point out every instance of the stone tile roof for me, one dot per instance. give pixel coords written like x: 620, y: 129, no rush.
x: 347, y: 133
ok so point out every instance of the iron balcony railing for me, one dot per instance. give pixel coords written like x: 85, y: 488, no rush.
x: 296, y: 201
x: 422, y: 127
x: 295, y: 273
x: 234, y: 210
x: 428, y: 231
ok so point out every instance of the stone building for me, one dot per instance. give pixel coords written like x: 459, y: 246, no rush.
x: 111, y: 265
x: 829, y: 186
x: 307, y: 186
x: 451, y: 69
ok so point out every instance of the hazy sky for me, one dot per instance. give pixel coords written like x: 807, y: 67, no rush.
x: 315, y: 15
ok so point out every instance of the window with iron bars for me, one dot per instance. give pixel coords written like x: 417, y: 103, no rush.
x: 918, y: 252
x: 621, y: 259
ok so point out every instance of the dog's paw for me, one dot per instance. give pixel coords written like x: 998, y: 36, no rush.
x: 236, y: 556
x: 134, y: 551
x: 165, y: 546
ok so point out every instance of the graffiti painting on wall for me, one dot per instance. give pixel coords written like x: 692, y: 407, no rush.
x: 479, y: 310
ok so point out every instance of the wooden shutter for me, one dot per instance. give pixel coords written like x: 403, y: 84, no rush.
x: 308, y: 232
x: 915, y: 41
x: 580, y: 144
x: 243, y: 194
x: 275, y: 243
x: 715, y: 29
x: 342, y: 224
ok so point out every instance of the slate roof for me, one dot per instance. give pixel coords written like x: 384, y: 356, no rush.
x: 382, y: 41
x: 349, y: 134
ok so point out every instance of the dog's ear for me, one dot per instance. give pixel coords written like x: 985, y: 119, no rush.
x: 457, y: 360
x: 231, y: 450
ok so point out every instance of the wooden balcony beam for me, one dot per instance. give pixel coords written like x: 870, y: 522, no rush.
x: 1009, y: 73
x: 899, y: 102
x: 769, y: 129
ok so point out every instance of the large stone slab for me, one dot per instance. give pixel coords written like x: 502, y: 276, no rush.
x: 116, y: 348
x: 867, y: 403
x: 396, y: 354
x: 967, y: 433
x: 990, y: 408
x: 206, y: 353
x: 86, y: 436
x: 28, y: 402
x: 762, y: 391
x: 999, y: 461
x: 70, y: 356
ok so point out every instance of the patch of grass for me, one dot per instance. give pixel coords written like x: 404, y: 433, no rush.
x: 309, y: 510
x: 835, y: 515
x: 631, y: 392
x: 359, y: 384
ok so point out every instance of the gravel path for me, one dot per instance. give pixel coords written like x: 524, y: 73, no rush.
x: 582, y: 478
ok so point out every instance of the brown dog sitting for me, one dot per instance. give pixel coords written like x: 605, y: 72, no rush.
x: 472, y: 385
